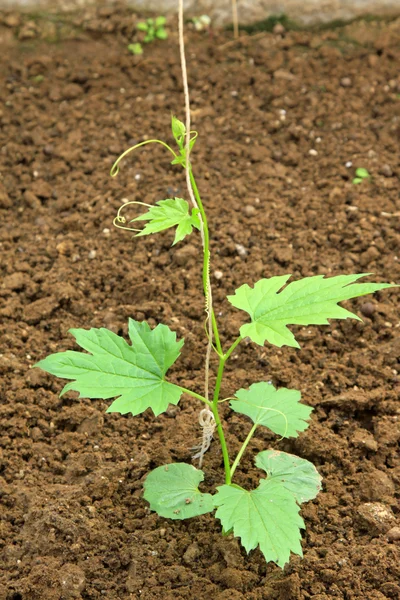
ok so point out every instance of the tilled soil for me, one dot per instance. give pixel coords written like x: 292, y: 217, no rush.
x: 283, y: 120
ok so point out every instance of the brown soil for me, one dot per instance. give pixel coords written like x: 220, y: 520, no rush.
x: 74, y: 524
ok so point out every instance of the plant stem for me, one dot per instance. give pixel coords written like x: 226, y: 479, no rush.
x: 242, y: 449
x: 232, y: 348
x: 220, y: 431
x: 206, y: 263
x: 197, y: 396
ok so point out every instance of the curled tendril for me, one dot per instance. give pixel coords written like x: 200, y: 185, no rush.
x: 121, y: 219
x: 115, y: 168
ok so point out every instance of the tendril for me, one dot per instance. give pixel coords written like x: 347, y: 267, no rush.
x: 121, y: 219
x: 115, y: 168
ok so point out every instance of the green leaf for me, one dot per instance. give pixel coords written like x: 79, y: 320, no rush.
x: 309, y: 301
x: 142, y: 26
x: 134, y: 374
x: 172, y: 491
x: 161, y: 33
x: 169, y: 213
x: 178, y: 131
x: 267, y: 517
x: 160, y: 21
x: 295, y: 474
x: 135, y: 49
x: 279, y: 410
x: 357, y: 180
x: 362, y: 173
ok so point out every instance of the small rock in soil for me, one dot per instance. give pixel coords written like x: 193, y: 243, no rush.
x: 218, y: 275
x: 73, y: 580
x: 249, y: 210
x: 241, y: 250
x: 376, y: 485
x: 375, y: 517
x: 191, y: 554
x: 394, y: 534
x: 346, y: 82
x: 364, y: 439
x: 386, y: 170
x: 368, y: 309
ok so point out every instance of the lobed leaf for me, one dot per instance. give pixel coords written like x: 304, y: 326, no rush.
x: 134, y: 374
x: 267, y: 517
x: 295, y: 474
x: 172, y: 491
x: 309, y: 301
x: 279, y: 410
x: 169, y: 213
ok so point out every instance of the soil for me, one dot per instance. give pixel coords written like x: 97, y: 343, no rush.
x: 284, y: 119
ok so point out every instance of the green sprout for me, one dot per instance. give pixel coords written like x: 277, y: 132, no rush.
x: 135, y: 49
x: 202, y: 23
x: 134, y: 376
x: 361, y: 174
x: 154, y: 29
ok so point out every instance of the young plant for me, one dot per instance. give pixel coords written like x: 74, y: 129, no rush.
x: 154, y: 29
x: 134, y: 375
x: 361, y: 174
x: 136, y: 49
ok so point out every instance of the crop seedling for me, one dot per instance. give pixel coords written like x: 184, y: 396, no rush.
x: 135, y: 49
x: 360, y: 175
x: 135, y: 375
x: 154, y: 29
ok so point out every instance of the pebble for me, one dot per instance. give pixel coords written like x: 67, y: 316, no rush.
x: 375, y: 517
x: 346, y: 82
x: 92, y: 254
x: 313, y: 152
x: 386, y: 170
x: 394, y: 534
x: 249, y: 210
x: 191, y: 554
x: 241, y: 250
x: 218, y: 275
x: 368, y: 309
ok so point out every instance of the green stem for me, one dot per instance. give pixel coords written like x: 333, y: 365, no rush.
x: 232, y: 348
x: 197, y: 396
x: 220, y: 431
x: 242, y: 449
x: 206, y: 263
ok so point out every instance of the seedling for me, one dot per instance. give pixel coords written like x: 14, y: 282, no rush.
x: 154, y: 29
x: 202, y: 23
x: 135, y: 376
x: 135, y: 49
x: 361, y: 174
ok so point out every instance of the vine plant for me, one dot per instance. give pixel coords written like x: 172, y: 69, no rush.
x: 135, y: 375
